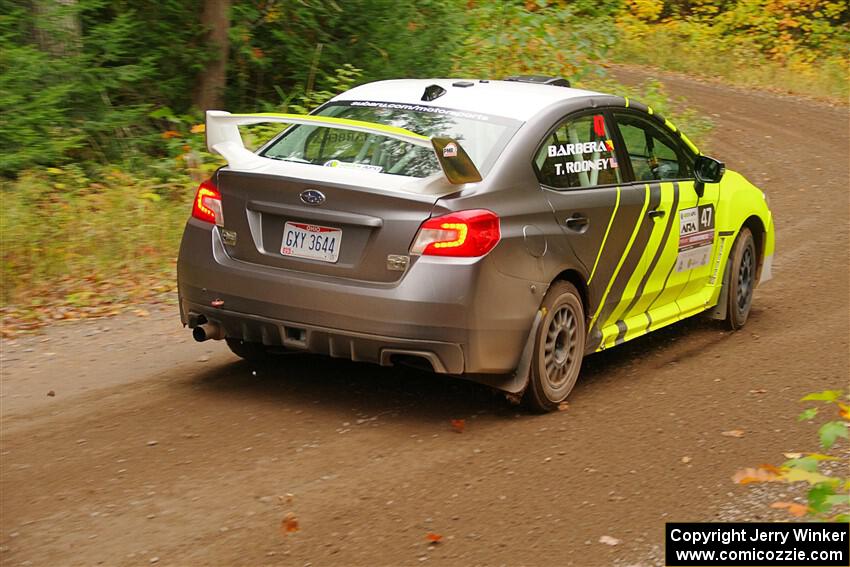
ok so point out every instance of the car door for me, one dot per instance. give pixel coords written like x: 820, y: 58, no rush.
x: 602, y: 219
x: 681, y: 249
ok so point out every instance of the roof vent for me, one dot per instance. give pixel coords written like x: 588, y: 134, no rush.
x: 540, y: 80
x: 433, y: 92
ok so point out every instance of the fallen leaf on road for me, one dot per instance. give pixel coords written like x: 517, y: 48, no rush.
x: 458, y: 425
x: 51, y: 393
x: 433, y: 538
x: 733, y: 433
x: 608, y: 540
x: 792, y: 455
x: 759, y: 391
x: 563, y: 406
x: 793, y: 508
x: 800, y: 475
x: 289, y: 524
x: 141, y: 312
x: 760, y: 474
x: 686, y: 460
x: 286, y: 498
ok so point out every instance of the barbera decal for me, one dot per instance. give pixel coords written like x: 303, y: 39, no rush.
x: 580, y: 148
x: 696, y: 237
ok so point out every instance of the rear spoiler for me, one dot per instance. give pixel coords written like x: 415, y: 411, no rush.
x: 223, y: 137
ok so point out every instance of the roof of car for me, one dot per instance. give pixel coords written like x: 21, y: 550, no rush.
x: 510, y: 99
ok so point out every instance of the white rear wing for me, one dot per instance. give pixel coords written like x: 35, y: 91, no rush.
x: 224, y: 138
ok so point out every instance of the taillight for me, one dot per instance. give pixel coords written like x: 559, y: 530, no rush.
x: 466, y: 234
x: 207, y: 205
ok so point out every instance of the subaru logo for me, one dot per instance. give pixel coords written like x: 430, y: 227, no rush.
x: 312, y: 197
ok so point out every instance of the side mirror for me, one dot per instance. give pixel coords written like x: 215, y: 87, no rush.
x: 707, y: 170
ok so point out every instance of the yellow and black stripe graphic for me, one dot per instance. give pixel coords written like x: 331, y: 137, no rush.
x: 659, y: 251
x: 621, y: 271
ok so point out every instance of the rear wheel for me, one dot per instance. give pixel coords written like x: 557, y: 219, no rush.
x: 742, y: 280
x: 247, y: 350
x: 558, y: 348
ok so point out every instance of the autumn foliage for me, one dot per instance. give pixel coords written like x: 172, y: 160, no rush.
x: 828, y: 495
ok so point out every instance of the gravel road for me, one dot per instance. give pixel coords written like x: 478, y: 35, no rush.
x: 154, y: 449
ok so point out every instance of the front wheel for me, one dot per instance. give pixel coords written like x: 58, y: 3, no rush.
x: 742, y: 280
x: 558, y: 348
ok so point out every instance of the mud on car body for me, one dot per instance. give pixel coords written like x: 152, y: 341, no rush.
x: 494, y: 230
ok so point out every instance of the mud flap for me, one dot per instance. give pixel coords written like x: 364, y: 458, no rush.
x: 513, y: 385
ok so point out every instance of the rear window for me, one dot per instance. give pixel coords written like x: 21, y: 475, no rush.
x: 482, y: 136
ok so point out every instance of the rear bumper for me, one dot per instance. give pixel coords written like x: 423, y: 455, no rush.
x: 444, y: 358
x: 463, y: 316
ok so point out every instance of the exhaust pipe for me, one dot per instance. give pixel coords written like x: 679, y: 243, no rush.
x: 208, y: 331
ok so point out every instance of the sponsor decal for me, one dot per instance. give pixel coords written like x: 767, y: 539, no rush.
x: 347, y: 165
x: 716, y: 269
x: 450, y: 150
x: 584, y: 165
x: 420, y: 108
x: 580, y: 148
x: 696, y: 237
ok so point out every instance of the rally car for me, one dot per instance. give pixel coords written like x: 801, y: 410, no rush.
x: 494, y: 230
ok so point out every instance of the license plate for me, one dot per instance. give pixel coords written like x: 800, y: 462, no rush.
x: 302, y: 240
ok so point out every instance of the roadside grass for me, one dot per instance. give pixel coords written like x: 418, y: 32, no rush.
x: 700, y: 50
x: 74, y: 247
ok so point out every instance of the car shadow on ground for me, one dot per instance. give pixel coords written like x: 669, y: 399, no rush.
x: 302, y: 379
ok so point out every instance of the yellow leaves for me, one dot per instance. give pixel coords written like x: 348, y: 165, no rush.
x: 770, y: 473
x: 798, y: 510
x: 168, y: 134
x: 800, y: 475
x: 648, y: 10
x: 844, y: 410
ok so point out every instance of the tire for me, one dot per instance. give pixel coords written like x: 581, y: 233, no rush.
x: 248, y: 351
x: 742, y: 280
x: 558, y: 349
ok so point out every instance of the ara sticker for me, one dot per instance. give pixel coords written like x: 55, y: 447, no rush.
x: 696, y: 237
x: 579, y: 148
x: 450, y: 150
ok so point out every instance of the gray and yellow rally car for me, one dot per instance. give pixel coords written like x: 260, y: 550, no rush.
x: 494, y: 230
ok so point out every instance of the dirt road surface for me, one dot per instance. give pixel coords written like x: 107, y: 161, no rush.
x: 158, y: 450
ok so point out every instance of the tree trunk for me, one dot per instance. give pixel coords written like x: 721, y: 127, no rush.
x: 57, y: 26
x: 209, y: 88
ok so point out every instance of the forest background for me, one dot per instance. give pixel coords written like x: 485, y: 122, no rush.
x: 101, y: 102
